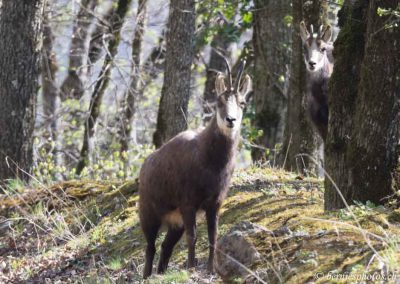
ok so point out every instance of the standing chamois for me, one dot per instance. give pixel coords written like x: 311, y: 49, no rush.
x: 319, y: 62
x: 191, y: 173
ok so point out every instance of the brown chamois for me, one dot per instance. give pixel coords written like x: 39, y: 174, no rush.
x: 191, y: 173
x: 318, y: 58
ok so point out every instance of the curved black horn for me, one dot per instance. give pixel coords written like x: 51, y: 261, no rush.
x: 239, y: 75
x: 228, y: 68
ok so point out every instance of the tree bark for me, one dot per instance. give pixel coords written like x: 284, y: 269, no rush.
x: 175, y: 92
x: 100, y: 36
x: 301, y: 142
x: 216, y: 64
x: 270, y: 37
x: 363, y: 150
x: 102, y: 82
x: 49, y: 88
x: 21, y: 34
x: 72, y: 86
x: 135, y: 85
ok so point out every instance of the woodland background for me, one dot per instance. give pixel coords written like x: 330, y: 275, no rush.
x: 117, y: 77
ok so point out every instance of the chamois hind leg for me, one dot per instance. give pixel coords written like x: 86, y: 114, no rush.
x: 174, y: 234
x: 150, y: 231
x: 189, y: 221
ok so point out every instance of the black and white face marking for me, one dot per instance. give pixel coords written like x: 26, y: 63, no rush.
x: 230, y: 105
x: 315, y: 46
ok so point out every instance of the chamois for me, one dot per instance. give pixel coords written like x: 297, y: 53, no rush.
x: 319, y: 63
x: 190, y: 174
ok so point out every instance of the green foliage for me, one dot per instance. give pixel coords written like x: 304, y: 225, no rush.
x: 15, y: 185
x: 115, y: 263
x: 171, y: 277
x: 358, y: 210
x: 395, y: 13
x: 250, y: 133
x: 208, y: 11
x: 288, y: 19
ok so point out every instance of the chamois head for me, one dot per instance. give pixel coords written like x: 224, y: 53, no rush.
x: 232, y: 98
x: 315, y: 45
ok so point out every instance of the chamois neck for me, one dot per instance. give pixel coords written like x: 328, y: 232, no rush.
x: 220, y: 149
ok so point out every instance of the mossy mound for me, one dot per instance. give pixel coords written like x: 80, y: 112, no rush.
x: 89, y: 232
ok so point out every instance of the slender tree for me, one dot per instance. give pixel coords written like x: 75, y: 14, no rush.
x: 271, y: 40
x: 179, y: 56
x: 72, y: 86
x: 300, y: 138
x: 100, y: 36
x: 133, y: 91
x: 102, y: 82
x: 362, y: 152
x: 21, y: 35
x: 49, y: 88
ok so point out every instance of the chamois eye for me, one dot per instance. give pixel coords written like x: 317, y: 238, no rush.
x: 242, y: 104
x: 323, y: 49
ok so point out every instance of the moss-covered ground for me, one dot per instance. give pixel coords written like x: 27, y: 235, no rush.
x: 88, y: 232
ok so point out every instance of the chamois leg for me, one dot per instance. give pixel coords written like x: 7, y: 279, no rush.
x: 212, y: 227
x: 150, y: 232
x: 189, y: 221
x: 174, y: 234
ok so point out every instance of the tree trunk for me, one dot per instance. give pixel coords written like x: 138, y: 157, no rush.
x: 49, y: 88
x: 72, y: 87
x: 100, y: 36
x: 270, y: 38
x: 301, y: 142
x: 215, y: 64
x: 363, y: 150
x: 176, y: 88
x: 135, y: 85
x: 21, y: 34
x: 102, y: 82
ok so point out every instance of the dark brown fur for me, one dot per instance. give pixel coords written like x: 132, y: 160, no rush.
x: 190, y: 173
x: 318, y: 99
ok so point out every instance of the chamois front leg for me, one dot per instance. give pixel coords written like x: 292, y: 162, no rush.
x: 189, y: 221
x: 212, y: 227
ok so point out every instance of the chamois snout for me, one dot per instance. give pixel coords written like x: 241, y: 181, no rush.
x: 311, y: 65
x: 230, y: 121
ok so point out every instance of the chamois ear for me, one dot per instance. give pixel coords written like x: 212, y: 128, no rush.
x: 327, y: 34
x: 245, y: 88
x: 304, y: 34
x: 220, y: 84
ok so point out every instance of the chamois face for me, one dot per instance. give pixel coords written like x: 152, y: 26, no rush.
x: 230, y: 104
x: 315, y: 46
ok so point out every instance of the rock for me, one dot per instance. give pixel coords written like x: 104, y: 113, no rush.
x: 235, y: 253
x: 394, y: 217
x: 282, y: 231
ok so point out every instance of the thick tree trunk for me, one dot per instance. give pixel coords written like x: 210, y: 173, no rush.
x: 176, y: 88
x: 135, y: 85
x: 102, y: 82
x: 20, y: 33
x: 301, y: 142
x: 72, y: 87
x: 270, y: 37
x: 363, y: 150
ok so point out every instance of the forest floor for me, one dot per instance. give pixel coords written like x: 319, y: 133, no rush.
x: 88, y: 232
